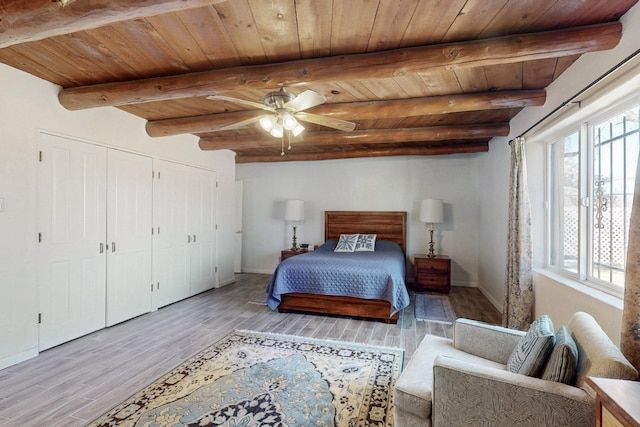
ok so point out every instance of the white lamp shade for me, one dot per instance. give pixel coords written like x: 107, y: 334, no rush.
x: 267, y: 122
x: 277, y: 130
x: 294, y: 210
x: 288, y: 121
x: 431, y: 211
x: 297, y: 130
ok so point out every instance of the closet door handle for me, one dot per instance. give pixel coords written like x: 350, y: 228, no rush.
x: 188, y: 238
x: 101, y: 247
x: 113, y: 246
x: 194, y: 238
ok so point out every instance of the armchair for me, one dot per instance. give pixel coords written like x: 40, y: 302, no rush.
x: 464, y: 381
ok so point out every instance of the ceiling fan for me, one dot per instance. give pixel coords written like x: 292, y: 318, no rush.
x: 285, y: 110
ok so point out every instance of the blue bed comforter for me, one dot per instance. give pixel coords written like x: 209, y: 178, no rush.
x: 371, y: 275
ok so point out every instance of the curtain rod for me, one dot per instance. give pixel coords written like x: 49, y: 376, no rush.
x: 582, y: 91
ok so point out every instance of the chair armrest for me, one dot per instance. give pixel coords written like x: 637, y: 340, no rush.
x: 467, y: 394
x: 483, y: 340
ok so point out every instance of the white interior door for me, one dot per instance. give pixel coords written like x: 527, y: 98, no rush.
x: 171, y: 260
x: 237, y: 237
x: 202, y: 229
x: 71, y: 222
x: 129, y: 222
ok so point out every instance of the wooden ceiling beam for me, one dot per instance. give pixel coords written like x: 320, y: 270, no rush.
x: 30, y: 20
x: 393, y: 63
x: 370, y: 110
x: 197, y: 124
x: 328, y: 139
x: 292, y: 156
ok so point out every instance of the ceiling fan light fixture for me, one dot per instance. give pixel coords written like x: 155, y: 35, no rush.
x: 285, y: 111
x: 297, y: 130
x: 277, y: 131
x: 288, y: 121
x: 267, y: 123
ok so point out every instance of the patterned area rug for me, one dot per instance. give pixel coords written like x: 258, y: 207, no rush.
x: 256, y: 379
x: 434, y: 308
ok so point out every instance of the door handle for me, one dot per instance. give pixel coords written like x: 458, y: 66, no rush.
x: 101, y: 247
x: 188, y: 238
x: 194, y: 238
x: 113, y: 246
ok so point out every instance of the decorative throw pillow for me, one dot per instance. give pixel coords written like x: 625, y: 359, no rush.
x: 561, y: 366
x: 366, y: 242
x: 347, y: 243
x: 533, y: 349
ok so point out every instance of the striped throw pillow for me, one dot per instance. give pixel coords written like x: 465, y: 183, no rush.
x: 532, y: 352
x: 563, y: 361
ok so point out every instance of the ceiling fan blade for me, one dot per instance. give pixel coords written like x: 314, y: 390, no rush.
x: 240, y: 101
x: 306, y: 99
x: 325, y: 121
x: 243, y: 123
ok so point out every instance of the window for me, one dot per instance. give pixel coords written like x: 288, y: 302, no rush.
x: 564, y: 202
x: 590, y: 192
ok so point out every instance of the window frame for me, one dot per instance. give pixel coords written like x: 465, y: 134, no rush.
x: 584, y: 126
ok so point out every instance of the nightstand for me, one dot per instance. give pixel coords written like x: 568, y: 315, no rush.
x: 432, y: 274
x: 288, y: 253
x: 616, y: 402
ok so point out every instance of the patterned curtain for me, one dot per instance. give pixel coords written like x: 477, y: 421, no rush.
x: 517, y: 312
x: 630, y: 337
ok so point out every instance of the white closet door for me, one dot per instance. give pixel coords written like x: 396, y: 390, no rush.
x: 202, y: 226
x: 129, y: 222
x: 71, y: 222
x: 171, y: 260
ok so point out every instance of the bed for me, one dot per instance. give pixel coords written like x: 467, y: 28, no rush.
x: 348, y: 294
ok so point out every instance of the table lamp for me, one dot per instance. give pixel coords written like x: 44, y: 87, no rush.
x: 431, y: 213
x: 294, y: 212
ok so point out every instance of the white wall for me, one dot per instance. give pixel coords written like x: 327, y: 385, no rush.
x: 29, y: 105
x: 394, y: 183
x: 493, y: 185
x: 552, y: 295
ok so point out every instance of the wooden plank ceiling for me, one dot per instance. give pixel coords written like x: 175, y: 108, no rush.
x: 417, y: 77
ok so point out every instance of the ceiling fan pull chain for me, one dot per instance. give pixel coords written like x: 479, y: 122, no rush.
x: 289, y: 138
x: 282, y: 149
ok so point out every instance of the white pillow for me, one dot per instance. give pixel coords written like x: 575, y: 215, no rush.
x: 366, y: 242
x: 347, y: 243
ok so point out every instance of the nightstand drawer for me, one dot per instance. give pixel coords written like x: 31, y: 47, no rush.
x: 431, y: 274
x: 437, y: 280
x: 433, y: 267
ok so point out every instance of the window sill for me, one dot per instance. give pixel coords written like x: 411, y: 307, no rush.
x: 612, y: 300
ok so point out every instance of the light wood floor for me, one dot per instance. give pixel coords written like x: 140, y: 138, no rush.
x: 73, y: 383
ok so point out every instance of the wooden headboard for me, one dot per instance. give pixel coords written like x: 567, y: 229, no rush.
x: 387, y: 225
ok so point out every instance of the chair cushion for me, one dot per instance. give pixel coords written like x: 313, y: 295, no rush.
x: 561, y: 366
x: 598, y: 356
x: 414, y: 387
x: 533, y: 349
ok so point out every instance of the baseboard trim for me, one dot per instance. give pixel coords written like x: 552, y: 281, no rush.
x: 257, y: 271
x: 496, y: 304
x: 17, y: 358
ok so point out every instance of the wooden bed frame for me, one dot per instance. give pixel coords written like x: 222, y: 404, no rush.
x: 388, y: 226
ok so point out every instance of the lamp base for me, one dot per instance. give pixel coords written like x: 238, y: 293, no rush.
x: 431, y: 251
x: 294, y: 245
